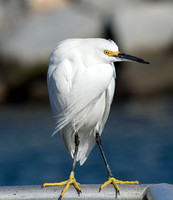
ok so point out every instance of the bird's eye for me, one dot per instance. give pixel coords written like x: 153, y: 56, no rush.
x: 106, y: 52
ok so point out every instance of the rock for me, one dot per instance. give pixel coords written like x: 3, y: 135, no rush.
x: 149, y: 80
x: 3, y: 91
x: 33, y: 39
x: 143, y: 26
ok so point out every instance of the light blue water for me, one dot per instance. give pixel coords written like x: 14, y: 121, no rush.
x: 137, y: 140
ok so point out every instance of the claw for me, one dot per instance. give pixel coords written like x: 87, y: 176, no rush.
x: 111, y: 180
x: 67, y: 184
x: 115, y: 183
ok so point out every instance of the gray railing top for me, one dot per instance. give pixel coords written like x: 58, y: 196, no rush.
x: 91, y: 192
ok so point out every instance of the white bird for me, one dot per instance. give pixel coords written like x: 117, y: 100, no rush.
x: 81, y: 83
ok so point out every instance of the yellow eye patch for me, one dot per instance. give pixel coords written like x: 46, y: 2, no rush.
x: 106, y: 52
x: 110, y: 53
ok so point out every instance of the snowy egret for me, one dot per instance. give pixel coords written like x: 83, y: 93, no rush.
x: 81, y: 83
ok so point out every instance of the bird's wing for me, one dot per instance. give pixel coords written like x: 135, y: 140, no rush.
x: 59, y: 86
x: 74, y: 92
x: 69, y: 94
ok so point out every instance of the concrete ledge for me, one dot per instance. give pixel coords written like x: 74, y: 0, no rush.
x: 127, y: 192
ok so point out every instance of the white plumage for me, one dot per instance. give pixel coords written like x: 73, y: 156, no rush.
x: 81, y: 82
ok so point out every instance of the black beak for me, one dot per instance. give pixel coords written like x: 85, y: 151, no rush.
x: 123, y: 56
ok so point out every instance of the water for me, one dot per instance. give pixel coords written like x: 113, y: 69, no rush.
x: 137, y: 140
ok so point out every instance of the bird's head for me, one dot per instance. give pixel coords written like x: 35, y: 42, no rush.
x: 98, y: 50
x: 93, y: 51
x: 110, y: 53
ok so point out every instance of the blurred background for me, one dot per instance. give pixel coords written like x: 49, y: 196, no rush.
x: 138, y: 137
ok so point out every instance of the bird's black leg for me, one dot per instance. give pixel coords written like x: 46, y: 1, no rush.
x: 71, y: 179
x: 77, y: 142
x: 98, y: 141
x: 111, y: 179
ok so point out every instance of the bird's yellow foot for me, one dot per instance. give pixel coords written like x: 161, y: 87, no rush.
x: 67, y: 183
x: 115, y: 183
